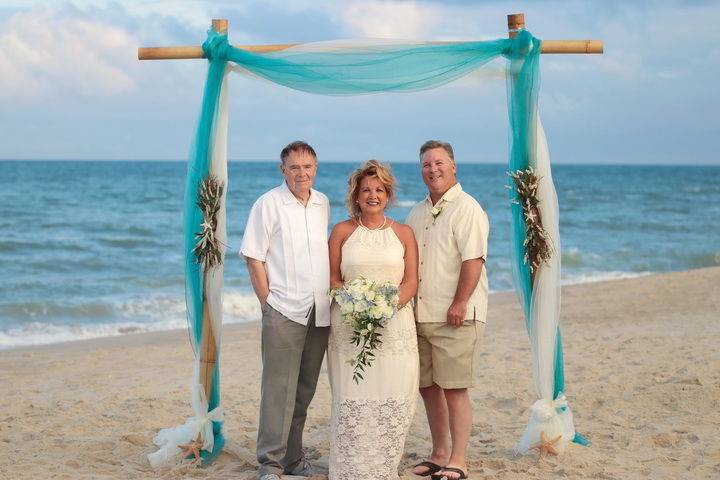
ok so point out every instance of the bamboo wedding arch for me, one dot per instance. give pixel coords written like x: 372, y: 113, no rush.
x: 205, y: 232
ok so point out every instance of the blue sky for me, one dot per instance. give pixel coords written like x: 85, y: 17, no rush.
x: 72, y: 87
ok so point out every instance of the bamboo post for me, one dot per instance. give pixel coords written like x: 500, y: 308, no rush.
x: 220, y: 25
x: 515, y: 21
x: 208, y: 347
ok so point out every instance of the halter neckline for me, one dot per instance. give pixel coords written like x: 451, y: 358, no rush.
x: 372, y: 229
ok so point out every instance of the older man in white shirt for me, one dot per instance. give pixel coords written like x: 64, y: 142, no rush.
x: 451, y: 230
x: 285, y: 245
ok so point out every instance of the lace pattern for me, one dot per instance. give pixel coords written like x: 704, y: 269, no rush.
x: 369, y: 438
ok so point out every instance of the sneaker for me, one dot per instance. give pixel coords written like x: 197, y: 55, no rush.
x: 269, y: 476
x: 306, y: 469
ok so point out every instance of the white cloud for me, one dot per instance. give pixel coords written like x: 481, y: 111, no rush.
x: 43, y: 53
x: 79, y: 57
x: 389, y: 19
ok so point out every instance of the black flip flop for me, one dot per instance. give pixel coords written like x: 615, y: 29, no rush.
x: 437, y: 476
x: 431, y: 468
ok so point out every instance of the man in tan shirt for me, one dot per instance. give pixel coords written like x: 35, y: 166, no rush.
x: 451, y: 230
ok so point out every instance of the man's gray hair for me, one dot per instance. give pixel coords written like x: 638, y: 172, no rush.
x: 431, y: 144
x: 297, y: 146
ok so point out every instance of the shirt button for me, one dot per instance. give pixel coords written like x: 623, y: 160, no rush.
x: 426, y: 228
x: 420, y: 298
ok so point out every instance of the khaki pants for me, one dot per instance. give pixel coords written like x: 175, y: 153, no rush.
x: 292, y: 356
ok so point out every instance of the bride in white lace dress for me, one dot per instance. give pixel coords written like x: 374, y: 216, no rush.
x: 370, y: 419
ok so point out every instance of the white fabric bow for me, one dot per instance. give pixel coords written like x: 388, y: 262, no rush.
x: 203, y: 419
x: 551, y: 417
x: 169, y: 439
x: 545, y: 409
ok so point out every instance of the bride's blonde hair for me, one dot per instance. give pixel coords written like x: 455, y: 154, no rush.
x: 371, y: 168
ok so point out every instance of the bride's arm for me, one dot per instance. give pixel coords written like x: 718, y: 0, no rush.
x: 409, y: 285
x: 337, y: 238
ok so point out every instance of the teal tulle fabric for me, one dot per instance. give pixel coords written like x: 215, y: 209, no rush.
x: 351, y: 69
x: 383, y: 68
x: 523, y: 84
x: 198, y: 168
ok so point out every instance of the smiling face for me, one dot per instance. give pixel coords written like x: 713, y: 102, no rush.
x: 299, y: 170
x: 372, y: 196
x: 438, y: 172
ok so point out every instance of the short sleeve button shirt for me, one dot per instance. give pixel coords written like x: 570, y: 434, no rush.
x: 457, y: 233
x: 292, y: 241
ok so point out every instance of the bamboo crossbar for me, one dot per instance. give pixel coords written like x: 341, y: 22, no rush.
x: 170, y: 53
x: 515, y: 22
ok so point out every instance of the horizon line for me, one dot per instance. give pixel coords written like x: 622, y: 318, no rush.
x: 157, y: 160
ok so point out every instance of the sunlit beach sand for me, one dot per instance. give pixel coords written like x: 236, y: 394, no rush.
x: 642, y: 367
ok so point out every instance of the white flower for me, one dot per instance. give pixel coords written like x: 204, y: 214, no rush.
x: 346, y: 308
x: 356, y: 292
x: 361, y: 306
x: 435, y: 211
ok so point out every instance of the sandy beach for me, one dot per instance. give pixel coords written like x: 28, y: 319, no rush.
x: 642, y: 373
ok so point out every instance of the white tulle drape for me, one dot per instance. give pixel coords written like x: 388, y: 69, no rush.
x: 548, y: 415
x: 218, y: 167
x: 169, y: 439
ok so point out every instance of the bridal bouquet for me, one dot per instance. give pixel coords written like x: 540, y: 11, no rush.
x: 366, y: 306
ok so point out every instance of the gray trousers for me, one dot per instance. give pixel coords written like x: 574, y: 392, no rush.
x: 292, y: 356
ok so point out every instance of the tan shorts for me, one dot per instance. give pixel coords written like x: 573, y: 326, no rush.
x: 448, y: 354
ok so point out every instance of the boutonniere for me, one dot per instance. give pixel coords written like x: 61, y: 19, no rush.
x: 435, y: 212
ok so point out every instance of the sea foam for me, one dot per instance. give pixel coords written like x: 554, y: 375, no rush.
x: 151, y: 314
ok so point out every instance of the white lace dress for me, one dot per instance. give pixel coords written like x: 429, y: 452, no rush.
x: 369, y: 420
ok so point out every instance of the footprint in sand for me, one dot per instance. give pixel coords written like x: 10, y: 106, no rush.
x: 137, y: 440
x: 493, y: 464
x: 666, y: 440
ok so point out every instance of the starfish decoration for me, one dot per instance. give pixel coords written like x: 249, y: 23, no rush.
x: 531, y: 216
x: 193, y: 448
x: 546, y: 446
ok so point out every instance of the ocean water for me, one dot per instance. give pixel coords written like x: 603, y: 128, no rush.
x: 94, y: 249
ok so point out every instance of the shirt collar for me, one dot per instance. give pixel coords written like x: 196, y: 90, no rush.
x: 449, y: 196
x: 288, y: 197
